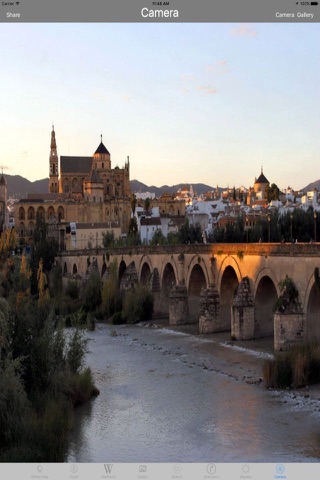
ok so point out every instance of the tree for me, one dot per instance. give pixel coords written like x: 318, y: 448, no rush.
x: 43, y: 248
x: 158, y: 238
x: 108, y: 239
x: 147, y: 206
x: 272, y: 192
x: 133, y: 203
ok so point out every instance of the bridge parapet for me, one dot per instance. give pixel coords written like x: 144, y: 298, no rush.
x: 215, y: 249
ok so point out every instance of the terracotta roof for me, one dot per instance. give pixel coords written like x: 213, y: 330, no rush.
x: 75, y: 164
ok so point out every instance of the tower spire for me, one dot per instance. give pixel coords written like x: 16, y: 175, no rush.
x: 53, y: 165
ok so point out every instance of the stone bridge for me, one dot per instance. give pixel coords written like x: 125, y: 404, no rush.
x: 193, y: 283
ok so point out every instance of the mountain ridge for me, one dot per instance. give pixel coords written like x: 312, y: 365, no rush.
x: 20, y: 186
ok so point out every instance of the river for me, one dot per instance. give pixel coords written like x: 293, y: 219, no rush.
x: 168, y: 396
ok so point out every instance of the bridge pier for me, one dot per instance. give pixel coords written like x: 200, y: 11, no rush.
x: 178, y: 298
x: 242, y: 313
x: 289, y: 330
x: 178, y: 305
x: 209, y: 311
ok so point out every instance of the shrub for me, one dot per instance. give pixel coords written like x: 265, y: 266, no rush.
x: 298, y: 367
x: 72, y: 289
x: 92, y: 292
x: 76, y: 350
x: 138, y: 304
x: 111, y: 298
x: 117, y: 319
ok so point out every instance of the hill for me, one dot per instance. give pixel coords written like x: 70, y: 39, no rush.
x: 199, y: 188
x: 311, y: 186
x: 20, y: 186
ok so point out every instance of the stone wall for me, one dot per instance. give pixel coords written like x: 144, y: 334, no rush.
x: 289, y: 330
x: 178, y: 305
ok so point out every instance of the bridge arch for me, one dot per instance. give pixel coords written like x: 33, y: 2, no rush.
x: 122, y: 269
x: 312, y: 309
x: 228, y: 285
x: 266, y: 272
x: 196, y: 282
x: 265, y: 297
x: 228, y: 261
x: 197, y: 260
x: 168, y: 280
x: 103, y: 268
x: 145, y: 274
x: 145, y: 269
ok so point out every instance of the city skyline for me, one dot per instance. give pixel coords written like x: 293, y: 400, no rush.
x: 199, y: 103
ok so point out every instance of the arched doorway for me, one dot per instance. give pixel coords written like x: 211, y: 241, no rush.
x: 228, y: 287
x: 265, y: 299
x: 197, y: 281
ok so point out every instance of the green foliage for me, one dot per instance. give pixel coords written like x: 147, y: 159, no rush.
x: 43, y: 248
x: 111, y: 299
x: 158, y: 238
x: 14, y: 403
x: 190, y: 233
x: 138, y: 305
x: 302, y: 222
x: 41, y: 375
x: 173, y: 238
x: 288, y: 301
x: 72, y: 289
x: 92, y: 292
x: 108, y: 239
x: 147, y: 206
x: 76, y: 350
x: 55, y: 283
x: 272, y: 192
x: 118, y: 319
x: 133, y: 227
x: 298, y: 367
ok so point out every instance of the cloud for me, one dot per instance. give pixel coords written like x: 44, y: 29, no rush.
x: 243, y: 31
x: 220, y: 68
x: 207, y: 90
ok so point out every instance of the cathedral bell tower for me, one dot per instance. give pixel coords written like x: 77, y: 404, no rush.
x: 53, y: 165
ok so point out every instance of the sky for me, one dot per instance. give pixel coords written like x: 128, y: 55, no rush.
x: 187, y: 102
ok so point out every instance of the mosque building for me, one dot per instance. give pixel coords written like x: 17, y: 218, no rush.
x: 85, y: 194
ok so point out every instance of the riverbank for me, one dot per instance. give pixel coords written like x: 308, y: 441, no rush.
x: 241, y: 360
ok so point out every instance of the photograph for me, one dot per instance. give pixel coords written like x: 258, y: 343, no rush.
x: 160, y: 245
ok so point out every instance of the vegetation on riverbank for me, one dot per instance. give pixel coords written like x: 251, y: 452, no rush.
x: 298, y: 367
x: 42, y: 372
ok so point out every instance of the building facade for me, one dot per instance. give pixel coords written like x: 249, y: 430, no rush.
x: 84, y: 190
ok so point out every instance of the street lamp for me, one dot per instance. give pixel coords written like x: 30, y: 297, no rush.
x: 269, y: 220
x: 291, y: 217
x: 315, y: 225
